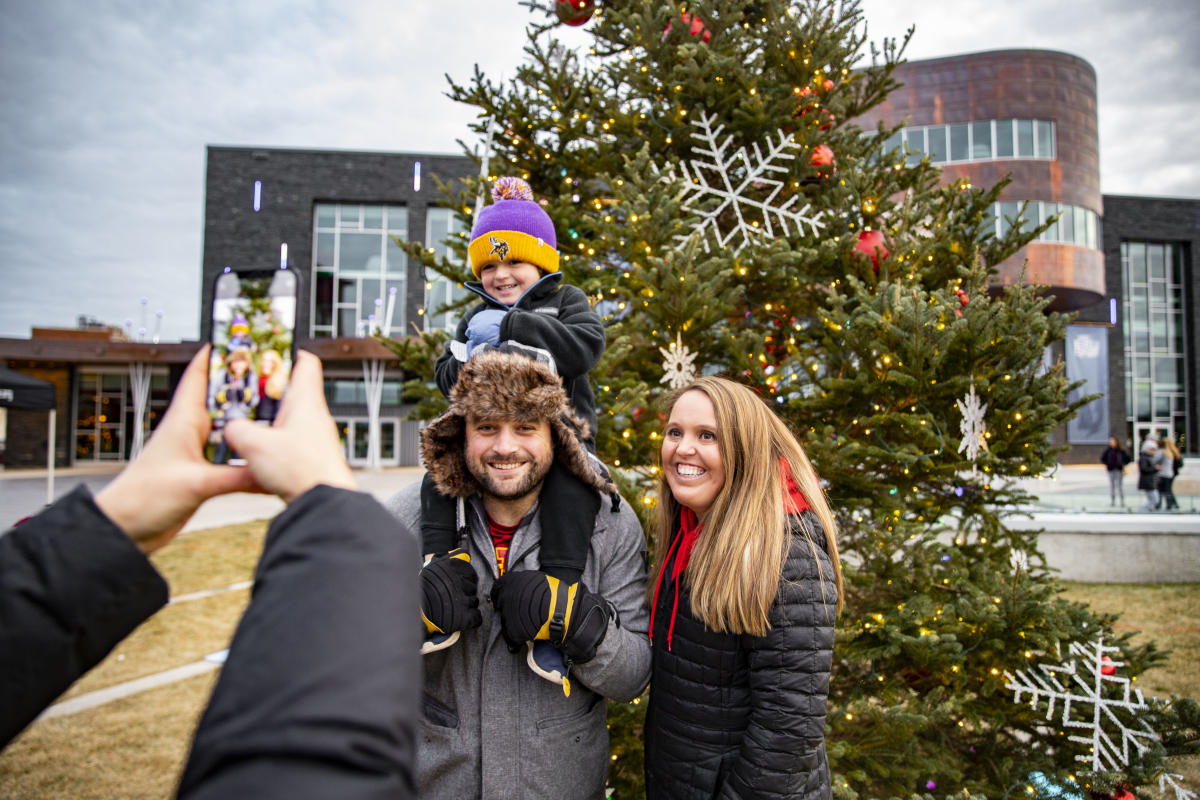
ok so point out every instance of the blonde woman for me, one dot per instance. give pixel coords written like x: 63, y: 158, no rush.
x: 743, y: 607
x: 1172, y: 461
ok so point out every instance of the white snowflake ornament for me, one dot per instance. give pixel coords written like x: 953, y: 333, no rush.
x: 1079, y: 686
x: 972, y: 427
x: 1170, y: 780
x: 717, y: 172
x: 678, y: 364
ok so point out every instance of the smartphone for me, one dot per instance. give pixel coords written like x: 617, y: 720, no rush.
x: 253, y: 347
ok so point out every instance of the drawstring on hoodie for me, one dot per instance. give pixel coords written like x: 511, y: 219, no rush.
x: 689, y: 531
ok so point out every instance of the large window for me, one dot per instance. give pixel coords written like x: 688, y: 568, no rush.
x: 353, y: 392
x: 1155, y: 348
x: 1075, y: 225
x: 356, y: 264
x: 983, y: 140
x: 440, y: 224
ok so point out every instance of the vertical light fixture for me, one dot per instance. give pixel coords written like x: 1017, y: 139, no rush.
x: 417, y: 176
x: 283, y: 255
x: 258, y: 196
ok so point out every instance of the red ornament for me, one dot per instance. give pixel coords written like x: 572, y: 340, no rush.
x: 822, y: 156
x: 695, y: 27
x: 870, y: 244
x: 1107, y: 668
x: 827, y: 85
x: 575, y: 12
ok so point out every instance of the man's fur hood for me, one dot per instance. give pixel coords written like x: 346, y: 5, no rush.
x: 501, y: 385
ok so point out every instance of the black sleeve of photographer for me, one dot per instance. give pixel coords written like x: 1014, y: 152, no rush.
x: 72, y: 585
x: 319, y: 696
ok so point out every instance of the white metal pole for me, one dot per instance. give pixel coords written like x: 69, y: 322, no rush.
x: 50, y: 457
x: 139, y: 378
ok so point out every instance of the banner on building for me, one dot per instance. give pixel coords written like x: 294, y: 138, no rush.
x: 1087, y: 361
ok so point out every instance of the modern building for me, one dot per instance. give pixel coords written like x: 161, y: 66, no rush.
x: 1126, y: 265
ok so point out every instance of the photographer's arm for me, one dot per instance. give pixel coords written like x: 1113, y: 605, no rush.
x: 72, y: 580
x: 319, y: 695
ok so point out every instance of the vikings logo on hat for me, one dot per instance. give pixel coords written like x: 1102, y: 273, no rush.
x: 499, y: 247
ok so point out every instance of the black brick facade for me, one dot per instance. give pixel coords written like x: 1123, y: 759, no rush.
x: 293, y: 182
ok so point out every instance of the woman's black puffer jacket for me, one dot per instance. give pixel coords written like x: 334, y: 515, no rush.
x: 739, y: 716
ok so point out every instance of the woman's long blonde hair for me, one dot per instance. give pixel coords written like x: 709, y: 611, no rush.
x: 734, y: 570
x: 1168, y: 444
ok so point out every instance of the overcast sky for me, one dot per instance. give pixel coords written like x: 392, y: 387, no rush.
x: 106, y: 107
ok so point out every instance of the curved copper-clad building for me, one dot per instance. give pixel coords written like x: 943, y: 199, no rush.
x: 1031, y: 113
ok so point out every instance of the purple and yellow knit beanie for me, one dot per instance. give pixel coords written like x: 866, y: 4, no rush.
x: 513, y: 226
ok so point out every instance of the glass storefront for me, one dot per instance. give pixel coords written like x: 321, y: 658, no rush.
x: 354, y: 434
x: 104, y: 412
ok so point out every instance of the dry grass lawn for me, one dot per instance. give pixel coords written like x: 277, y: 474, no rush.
x: 134, y: 748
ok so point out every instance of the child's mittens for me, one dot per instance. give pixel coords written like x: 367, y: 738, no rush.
x: 484, y: 328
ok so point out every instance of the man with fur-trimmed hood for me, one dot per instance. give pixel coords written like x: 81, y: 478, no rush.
x: 494, y: 724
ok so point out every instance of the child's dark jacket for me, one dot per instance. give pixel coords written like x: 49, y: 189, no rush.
x: 556, y: 319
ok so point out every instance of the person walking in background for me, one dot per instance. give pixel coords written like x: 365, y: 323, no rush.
x: 1171, y: 464
x: 1149, y: 463
x: 749, y: 587
x: 1114, y: 458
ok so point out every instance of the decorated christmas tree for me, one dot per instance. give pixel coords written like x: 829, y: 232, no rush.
x: 714, y: 195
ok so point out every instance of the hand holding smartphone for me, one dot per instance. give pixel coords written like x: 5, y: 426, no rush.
x: 253, y: 349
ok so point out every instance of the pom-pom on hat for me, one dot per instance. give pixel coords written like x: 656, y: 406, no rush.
x: 513, y: 226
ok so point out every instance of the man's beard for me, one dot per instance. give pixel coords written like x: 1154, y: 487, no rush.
x: 531, y: 483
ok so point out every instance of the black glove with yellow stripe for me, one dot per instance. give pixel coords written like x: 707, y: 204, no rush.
x: 534, y: 606
x: 449, y: 597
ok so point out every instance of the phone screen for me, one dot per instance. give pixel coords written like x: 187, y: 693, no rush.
x: 253, y: 347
